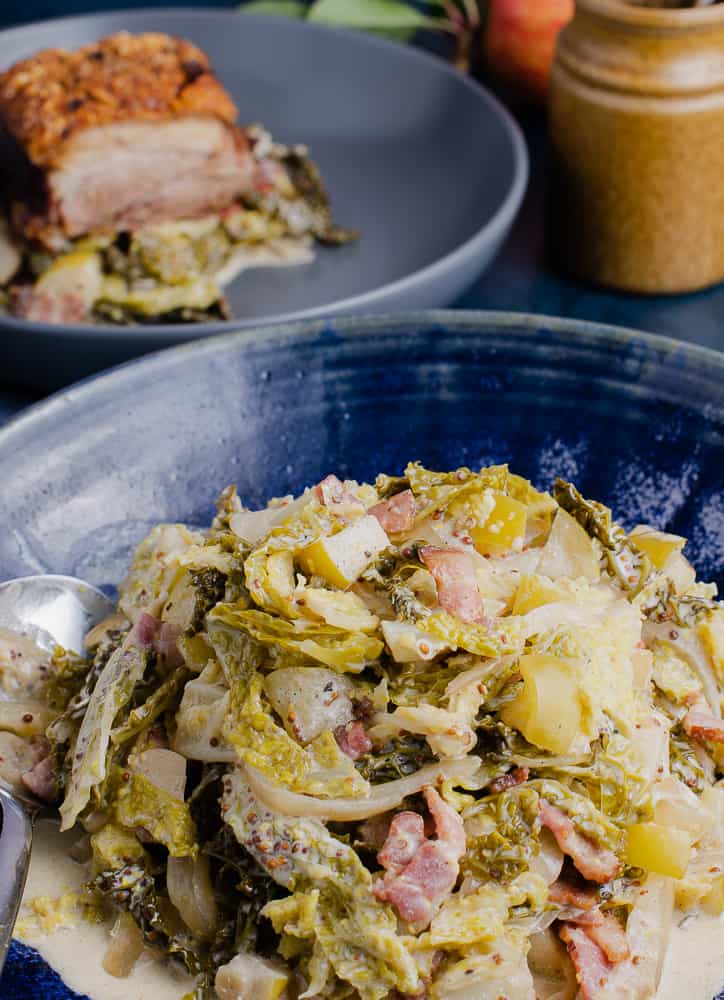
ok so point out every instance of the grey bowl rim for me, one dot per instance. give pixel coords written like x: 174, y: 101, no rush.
x: 485, y: 236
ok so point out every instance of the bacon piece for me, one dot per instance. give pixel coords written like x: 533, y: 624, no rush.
x: 457, y: 587
x: 591, y: 965
x: 448, y: 825
x: 404, y: 838
x: 701, y: 724
x: 353, y: 739
x: 146, y: 629
x: 396, y: 514
x: 566, y: 894
x: 41, y: 779
x: 605, y: 931
x: 48, y: 307
x: 595, y: 863
x: 517, y: 776
x: 334, y: 494
x: 420, y: 872
x: 165, y: 645
x: 40, y: 775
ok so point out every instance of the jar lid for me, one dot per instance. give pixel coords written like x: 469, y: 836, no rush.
x: 622, y: 46
x: 637, y: 14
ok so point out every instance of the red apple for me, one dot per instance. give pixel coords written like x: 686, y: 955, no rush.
x: 520, y: 41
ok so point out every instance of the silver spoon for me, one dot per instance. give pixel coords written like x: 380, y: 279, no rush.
x: 52, y: 611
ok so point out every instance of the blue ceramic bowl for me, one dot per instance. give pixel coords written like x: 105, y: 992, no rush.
x: 635, y: 420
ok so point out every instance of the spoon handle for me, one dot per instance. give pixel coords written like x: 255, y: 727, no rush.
x: 16, y: 835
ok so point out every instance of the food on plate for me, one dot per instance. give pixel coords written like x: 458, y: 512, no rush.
x: 443, y: 736
x: 130, y: 194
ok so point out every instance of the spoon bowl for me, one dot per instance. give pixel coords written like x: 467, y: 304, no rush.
x: 52, y: 611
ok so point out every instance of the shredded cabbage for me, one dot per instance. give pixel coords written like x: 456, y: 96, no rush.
x: 112, y: 692
x: 291, y: 719
x: 356, y: 934
x: 336, y: 648
x: 317, y: 769
x: 142, y: 805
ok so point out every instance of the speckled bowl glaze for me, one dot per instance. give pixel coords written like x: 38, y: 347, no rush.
x: 637, y: 143
x: 635, y: 420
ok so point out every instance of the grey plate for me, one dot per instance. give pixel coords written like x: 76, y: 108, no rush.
x: 423, y: 160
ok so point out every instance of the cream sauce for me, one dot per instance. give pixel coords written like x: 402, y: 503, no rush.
x: 76, y: 953
x: 283, y: 252
x: 694, y: 967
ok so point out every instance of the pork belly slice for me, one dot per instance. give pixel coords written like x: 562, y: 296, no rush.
x: 133, y: 174
x: 128, y: 132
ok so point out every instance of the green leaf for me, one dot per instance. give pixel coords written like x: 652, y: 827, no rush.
x: 511, y: 838
x: 141, y: 804
x: 163, y: 699
x: 370, y: 15
x: 625, y: 562
x: 113, y: 691
x: 354, y: 936
x: 340, y: 649
x: 318, y: 769
x: 282, y: 8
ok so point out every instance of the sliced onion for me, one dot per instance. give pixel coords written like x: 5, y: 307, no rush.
x: 650, y: 744
x: 165, y: 769
x: 382, y: 798
x: 189, y: 889
x: 251, y: 977
x: 648, y: 928
x: 553, y: 974
x: 548, y: 862
x: 677, y: 806
x: 125, y: 949
x: 253, y: 525
x: 310, y: 699
x: 95, y: 821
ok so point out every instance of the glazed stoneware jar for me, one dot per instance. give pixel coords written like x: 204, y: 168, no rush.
x: 636, y: 197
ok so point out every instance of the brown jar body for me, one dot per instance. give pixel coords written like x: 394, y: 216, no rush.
x: 636, y: 198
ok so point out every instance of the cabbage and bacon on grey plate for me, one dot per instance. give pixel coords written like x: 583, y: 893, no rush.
x: 444, y: 736
x: 129, y: 193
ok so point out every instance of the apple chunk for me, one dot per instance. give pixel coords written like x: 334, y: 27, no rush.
x: 657, y: 545
x: 340, y: 558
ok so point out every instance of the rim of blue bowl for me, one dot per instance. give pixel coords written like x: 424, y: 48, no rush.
x: 489, y: 232
x: 459, y: 321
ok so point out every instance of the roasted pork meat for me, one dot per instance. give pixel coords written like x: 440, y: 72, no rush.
x: 128, y: 193
x: 130, y: 131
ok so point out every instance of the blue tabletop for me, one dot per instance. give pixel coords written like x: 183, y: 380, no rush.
x: 521, y: 278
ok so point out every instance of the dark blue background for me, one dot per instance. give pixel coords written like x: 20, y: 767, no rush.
x: 18, y: 11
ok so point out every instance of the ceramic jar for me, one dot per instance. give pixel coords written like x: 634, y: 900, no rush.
x: 636, y: 195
